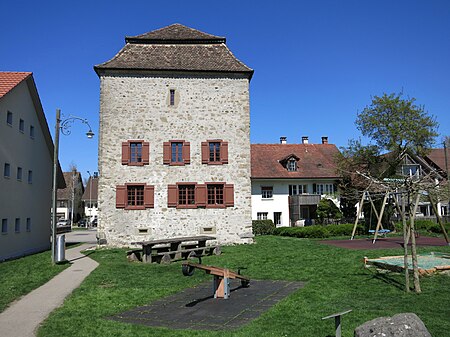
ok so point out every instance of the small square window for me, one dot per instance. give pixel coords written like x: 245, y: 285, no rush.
x: 21, y: 125
x: 31, y: 131
x: 7, y: 170
x: 9, y: 118
x: 19, y: 173
x: 267, y: 192
x: 172, y: 97
x: 28, y: 224
x: 4, y: 226
x: 30, y: 177
x: 17, y: 225
x: 135, y: 196
x: 186, y: 195
x: 215, y: 194
x: 261, y: 215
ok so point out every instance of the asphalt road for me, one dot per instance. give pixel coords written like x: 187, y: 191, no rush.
x: 86, y: 236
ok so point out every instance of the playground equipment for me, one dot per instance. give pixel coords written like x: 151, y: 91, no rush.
x: 222, y: 276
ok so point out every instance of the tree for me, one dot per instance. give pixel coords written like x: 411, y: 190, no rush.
x: 397, y: 126
x: 327, y: 210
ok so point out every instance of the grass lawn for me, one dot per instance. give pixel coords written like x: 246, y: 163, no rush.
x: 335, y: 281
x: 19, y: 277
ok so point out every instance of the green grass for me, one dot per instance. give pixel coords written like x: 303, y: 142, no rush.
x: 335, y: 281
x: 19, y: 277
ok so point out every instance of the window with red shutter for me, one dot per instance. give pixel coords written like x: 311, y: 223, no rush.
x: 172, y: 196
x: 215, y: 195
x: 215, y: 152
x: 135, y: 196
x: 176, y: 153
x: 135, y: 152
x: 229, y: 195
x: 121, y: 196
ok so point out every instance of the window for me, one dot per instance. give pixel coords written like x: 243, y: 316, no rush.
x: 135, y: 152
x: 31, y: 131
x: 30, y: 177
x: 7, y: 170
x: 21, y: 125
x: 267, y: 192
x: 17, y: 225
x: 323, y: 188
x: 215, y: 194
x: 28, y: 225
x: 277, y: 218
x: 208, y: 195
x: 292, y: 189
x: 19, y: 173
x: 4, y: 226
x: 172, y: 97
x: 176, y: 153
x: 135, y: 196
x: 292, y: 165
x: 215, y: 152
x: 9, y: 118
x: 186, y: 195
x: 411, y: 170
x: 261, y: 216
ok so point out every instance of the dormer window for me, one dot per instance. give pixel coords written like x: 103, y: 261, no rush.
x: 291, y: 165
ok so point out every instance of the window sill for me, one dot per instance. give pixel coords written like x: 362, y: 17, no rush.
x: 215, y: 206
x: 186, y: 206
x: 134, y: 208
x: 215, y: 163
x: 267, y: 199
x: 176, y: 164
x: 135, y: 164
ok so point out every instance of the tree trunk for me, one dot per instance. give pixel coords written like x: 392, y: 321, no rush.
x: 413, y: 247
x: 405, y: 245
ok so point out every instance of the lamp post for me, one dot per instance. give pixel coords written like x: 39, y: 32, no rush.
x: 63, y: 126
x: 90, y: 198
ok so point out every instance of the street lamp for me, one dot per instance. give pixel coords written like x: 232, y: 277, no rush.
x: 90, y: 199
x: 64, y: 127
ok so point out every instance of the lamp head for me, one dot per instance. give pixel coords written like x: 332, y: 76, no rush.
x: 90, y: 134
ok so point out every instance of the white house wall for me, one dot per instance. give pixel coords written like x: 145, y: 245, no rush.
x: 19, y: 199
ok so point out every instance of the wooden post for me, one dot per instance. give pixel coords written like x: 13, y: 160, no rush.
x: 380, y: 217
x: 438, y: 218
x: 413, y: 247
x: 405, y: 245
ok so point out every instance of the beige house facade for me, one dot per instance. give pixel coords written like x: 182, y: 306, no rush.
x: 26, y: 152
x: 174, y: 146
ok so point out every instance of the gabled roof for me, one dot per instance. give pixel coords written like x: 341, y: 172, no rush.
x: 66, y: 193
x: 91, y: 191
x: 9, y: 80
x: 315, y: 161
x: 436, y: 158
x: 175, y: 48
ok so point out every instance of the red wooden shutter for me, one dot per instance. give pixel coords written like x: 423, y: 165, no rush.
x: 224, y: 152
x: 205, y: 152
x: 145, y: 153
x: 172, y: 196
x: 187, y: 152
x: 166, y: 153
x: 200, y: 195
x: 149, y: 196
x: 121, y: 196
x: 229, y: 195
x: 125, y: 153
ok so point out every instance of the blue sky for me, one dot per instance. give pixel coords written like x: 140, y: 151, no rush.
x: 317, y: 63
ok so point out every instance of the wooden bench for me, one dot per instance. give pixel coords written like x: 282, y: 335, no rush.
x: 167, y: 250
x: 222, y: 276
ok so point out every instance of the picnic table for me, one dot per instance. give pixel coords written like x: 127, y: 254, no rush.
x: 176, y: 248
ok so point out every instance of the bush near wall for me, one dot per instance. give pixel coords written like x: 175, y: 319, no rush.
x: 424, y: 225
x: 318, y: 231
x: 263, y: 227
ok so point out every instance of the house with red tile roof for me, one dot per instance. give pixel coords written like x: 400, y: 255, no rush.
x: 69, y: 205
x: 90, y: 198
x: 288, y: 180
x: 26, y: 164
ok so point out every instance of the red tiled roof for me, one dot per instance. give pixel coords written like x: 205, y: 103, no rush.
x: 437, y: 157
x: 315, y: 161
x: 9, y: 80
x: 66, y: 193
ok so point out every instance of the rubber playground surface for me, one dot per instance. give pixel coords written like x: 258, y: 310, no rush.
x: 383, y: 243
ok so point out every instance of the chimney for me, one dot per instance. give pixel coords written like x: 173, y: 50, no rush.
x: 305, y: 140
x: 324, y: 140
x: 283, y: 140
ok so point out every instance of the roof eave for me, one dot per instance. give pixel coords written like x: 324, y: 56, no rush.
x: 131, y: 39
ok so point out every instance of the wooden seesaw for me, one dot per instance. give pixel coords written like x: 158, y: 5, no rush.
x: 222, y: 276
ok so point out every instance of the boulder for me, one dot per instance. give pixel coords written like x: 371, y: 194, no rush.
x: 401, y: 325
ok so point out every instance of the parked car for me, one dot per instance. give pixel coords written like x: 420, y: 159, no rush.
x: 63, y: 223
x: 94, y: 223
x: 82, y: 223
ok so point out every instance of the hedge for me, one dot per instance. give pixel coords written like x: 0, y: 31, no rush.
x: 318, y: 231
x: 263, y: 227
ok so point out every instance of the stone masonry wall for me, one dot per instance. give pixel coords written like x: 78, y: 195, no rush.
x: 137, y: 107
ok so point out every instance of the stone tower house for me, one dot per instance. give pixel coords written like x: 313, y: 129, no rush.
x: 174, y: 143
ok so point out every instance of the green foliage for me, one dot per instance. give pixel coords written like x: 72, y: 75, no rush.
x: 263, y: 227
x: 327, y: 210
x: 348, y: 207
x: 396, y: 124
x: 425, y: 226
x: 318, y: 232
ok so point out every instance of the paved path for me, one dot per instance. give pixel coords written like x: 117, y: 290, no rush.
x: 23, y: 317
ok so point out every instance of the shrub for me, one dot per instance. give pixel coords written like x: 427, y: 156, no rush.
x: 303, y: 232
x: 263, y: 227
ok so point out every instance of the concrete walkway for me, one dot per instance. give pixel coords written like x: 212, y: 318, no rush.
x: 23, y: 317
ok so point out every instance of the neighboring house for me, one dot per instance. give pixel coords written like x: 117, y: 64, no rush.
x: 89, y: 198
x: 26, y: 163
x: 174, y: 143
x: 69, y: 199
x: 288, y: 180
